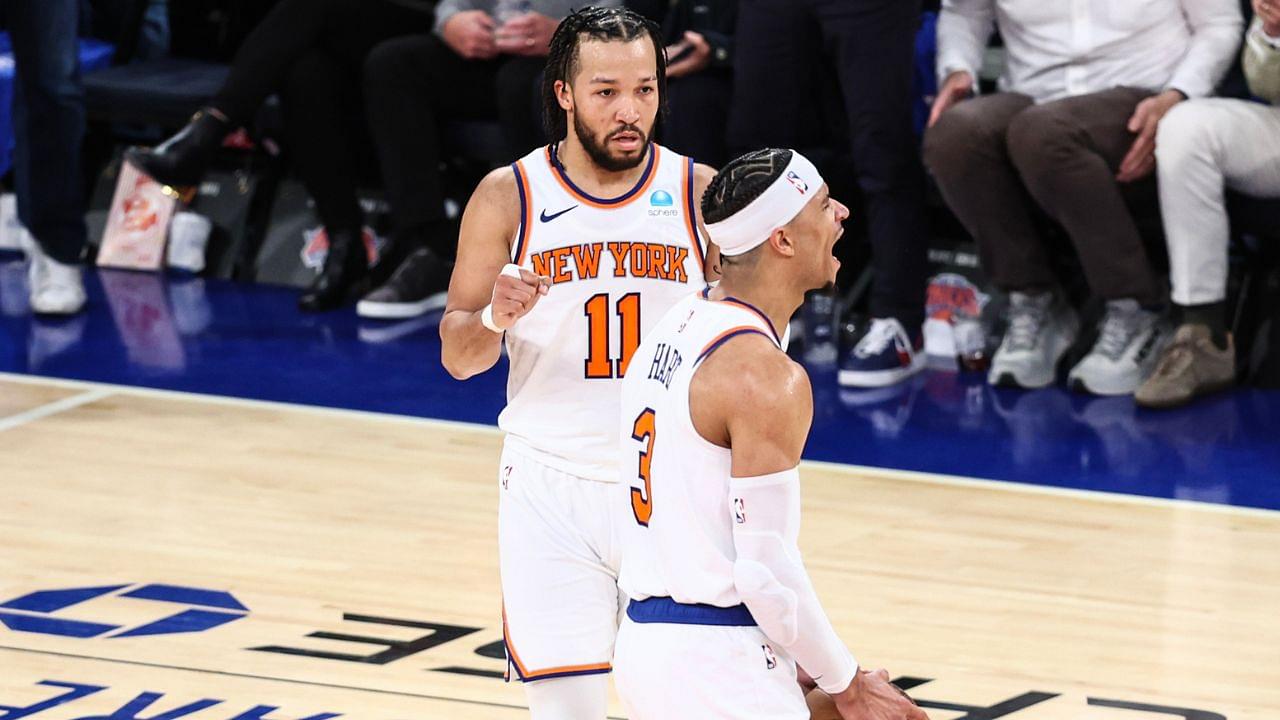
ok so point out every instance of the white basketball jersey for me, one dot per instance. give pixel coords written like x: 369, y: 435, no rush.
x: 616, y: 266
x: 679, y: 540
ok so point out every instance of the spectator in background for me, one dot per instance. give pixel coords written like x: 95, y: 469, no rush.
x: 311, y: 52
x: 870, y: 44
x: 483, y: 62
x: 1204, y: 147
x: 699, y: 38
x: 49, y: 122
x: 1085, y: 87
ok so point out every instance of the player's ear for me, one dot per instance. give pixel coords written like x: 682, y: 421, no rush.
x: 782, y: 242
x: 564, y: 95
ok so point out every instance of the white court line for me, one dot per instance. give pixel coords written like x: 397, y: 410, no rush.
x: 55, y: 407
x: 867, y: 471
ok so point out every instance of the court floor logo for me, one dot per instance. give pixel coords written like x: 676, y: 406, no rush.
x: 46, y: 611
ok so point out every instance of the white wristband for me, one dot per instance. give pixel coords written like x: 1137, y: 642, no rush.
x: 486, y: 315
x: 486, y: 319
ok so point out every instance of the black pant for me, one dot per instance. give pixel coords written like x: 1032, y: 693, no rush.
x: 344, y: 30
x: 411, y: 86
x: 48, y: 123
x: 312, y: 52
x: 325, y: 134
x: 699, y: 111
x: 870, y: 43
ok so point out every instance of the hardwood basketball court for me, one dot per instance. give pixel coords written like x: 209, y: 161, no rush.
x: 349, y: 562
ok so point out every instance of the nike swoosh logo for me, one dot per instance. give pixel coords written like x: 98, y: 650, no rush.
x: 548, y: 218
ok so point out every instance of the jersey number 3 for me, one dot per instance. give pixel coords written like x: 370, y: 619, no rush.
x: 598, y: 364
x: 644, y: 430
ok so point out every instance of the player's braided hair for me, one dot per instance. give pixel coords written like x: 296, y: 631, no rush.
x: 740, y: 182
x: 594, y: 23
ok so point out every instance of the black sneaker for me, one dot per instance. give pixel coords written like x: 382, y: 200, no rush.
x: 417, y: 287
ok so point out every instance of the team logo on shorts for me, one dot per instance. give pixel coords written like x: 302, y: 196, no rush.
x: 506, y: 477
x: 661, y: 198
x: 794, y: 179
x: 770, y: 660
x: 739, y: 511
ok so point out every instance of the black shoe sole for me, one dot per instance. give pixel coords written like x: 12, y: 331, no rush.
x: 142, y: 160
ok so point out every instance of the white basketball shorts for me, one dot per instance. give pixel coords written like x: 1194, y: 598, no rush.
x: 669, y: 671
x: 559, y: 554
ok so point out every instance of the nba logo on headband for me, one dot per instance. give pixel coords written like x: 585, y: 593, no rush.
x: 771, y: 209
x: 794, y: 179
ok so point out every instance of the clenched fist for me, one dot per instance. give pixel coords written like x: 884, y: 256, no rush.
x: 515, y: 293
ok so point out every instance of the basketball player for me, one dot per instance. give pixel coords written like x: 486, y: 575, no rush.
x: 571, y: 255
x: 721, y: 608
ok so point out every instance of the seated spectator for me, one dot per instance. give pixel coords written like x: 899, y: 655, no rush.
x: 869, y: 44
x: 311, y: 53
x: 1204, y: 147
x: 475, y: 66
x: 1085, y: 87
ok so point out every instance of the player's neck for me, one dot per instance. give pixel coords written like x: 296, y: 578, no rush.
x: 586, y: 174
x: 777, y: 300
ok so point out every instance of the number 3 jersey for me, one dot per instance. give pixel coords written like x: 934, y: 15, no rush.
x: 616, y: 266
x: 679, y: 541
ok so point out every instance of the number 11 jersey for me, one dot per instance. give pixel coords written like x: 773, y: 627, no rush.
x: 616, y: 266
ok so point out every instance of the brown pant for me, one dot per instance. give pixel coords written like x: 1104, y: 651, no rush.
x: 993, y: 156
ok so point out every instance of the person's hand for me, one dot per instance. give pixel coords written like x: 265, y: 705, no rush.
x: 872, y: 697
x: 514, y: 297
x: 470, y: 34
x: 805, y: 680
x: 958, y: 86
x: 1269, y: 12
x: 1140, y: 161
x: 697, y: 55
x: 528, y: 34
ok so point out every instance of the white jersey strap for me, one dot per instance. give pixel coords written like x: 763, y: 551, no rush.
x: 771, y: 579
x: 691, y: 215
x: 754, y: 321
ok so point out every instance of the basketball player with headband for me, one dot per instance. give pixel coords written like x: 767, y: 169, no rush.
x: 721, y: 609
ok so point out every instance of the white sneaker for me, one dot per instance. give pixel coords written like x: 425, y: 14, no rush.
x: 1041, y: 328
x: 1129, y: 344
x: 56, y: 289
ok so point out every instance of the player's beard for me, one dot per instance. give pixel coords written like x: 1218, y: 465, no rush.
x: 599, y: 151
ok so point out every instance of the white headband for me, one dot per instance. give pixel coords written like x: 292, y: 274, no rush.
x: 778, y: 205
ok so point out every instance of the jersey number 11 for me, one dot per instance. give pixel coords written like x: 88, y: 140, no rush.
x: 598, y: 364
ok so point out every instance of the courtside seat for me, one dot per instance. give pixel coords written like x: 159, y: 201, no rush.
x: 474, y: 140
x: 163, y: 92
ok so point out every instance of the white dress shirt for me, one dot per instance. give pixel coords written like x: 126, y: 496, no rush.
x: 1063, y: 48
